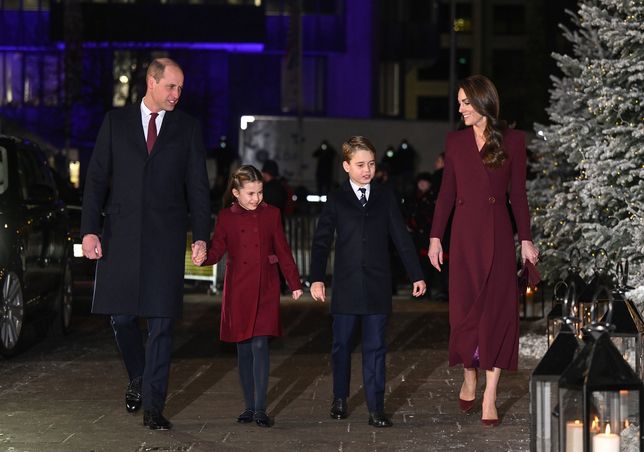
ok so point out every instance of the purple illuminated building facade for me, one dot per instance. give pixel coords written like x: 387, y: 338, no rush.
x: 64, y: 63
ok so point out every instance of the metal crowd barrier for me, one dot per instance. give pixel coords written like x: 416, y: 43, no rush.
x: 299, y: 230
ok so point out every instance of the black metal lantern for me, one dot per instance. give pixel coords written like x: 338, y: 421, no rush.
x: 628, y: 332
x: 563, y: 299
x: 601, y: 398
x: 544, y: 388
x: 586, y: 297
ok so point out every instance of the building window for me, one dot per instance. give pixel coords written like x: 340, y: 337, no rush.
x: 30, y: 78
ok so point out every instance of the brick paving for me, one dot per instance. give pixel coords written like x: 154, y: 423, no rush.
x: 66, y: 394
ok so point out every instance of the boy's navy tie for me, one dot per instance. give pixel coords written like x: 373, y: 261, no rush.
x: 363, y: 198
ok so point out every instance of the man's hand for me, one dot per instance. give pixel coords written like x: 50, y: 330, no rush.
x: 317, y: 291
x: 297, y: 294
x: 419, y: 288
x: 92, y: 247
x: 199, y: 252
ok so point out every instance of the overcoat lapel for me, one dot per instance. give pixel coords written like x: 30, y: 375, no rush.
x: 167, y: 127
x: 483, y: 173
x: 136, y: 130
x: 350, y: 195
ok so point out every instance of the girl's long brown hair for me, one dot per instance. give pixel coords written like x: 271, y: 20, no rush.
x: 484, y: 98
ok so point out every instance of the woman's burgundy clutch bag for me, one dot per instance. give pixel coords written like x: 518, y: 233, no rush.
x: 528, y: 276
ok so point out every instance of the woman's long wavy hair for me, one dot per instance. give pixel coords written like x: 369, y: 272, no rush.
x: 484, y: 98
x: 243, y: 174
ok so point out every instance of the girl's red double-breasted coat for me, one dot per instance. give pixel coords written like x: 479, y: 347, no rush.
x: 483, y: 293
x: 255, y: 243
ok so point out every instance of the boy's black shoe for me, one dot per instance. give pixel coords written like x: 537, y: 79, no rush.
x: 262, y: 419
x: 339, y: 408
x: 133, y: 396
x: 379, y: 419
x: 155, y: 420
x: 246, y: 417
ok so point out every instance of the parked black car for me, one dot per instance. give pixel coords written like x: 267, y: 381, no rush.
x: 35, y: 246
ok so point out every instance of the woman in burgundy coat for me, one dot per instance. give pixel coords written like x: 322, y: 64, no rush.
x: 484, y: 162
x: 250, y: 231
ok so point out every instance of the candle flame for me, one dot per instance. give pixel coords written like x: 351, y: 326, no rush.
x: 594, y: 426
x: 626, y: 423
x: 528, y: 290
x: 607, y: 431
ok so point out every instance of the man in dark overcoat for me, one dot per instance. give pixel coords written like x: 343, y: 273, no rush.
x: 362, y: 216
x: 146, y: 173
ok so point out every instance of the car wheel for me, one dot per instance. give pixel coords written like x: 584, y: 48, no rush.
x: 11, y: 315
x: 65, y: 303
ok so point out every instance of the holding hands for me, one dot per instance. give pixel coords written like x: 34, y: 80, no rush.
x: 92, y: 247
x: 199, y: 252
x: 318, y: 291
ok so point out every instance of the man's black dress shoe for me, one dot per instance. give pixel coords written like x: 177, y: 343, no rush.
x: 339, y: 408
x: 133, y: 396
x: 378, y: 419
x: 262, y: 419
x: 246, y: 416
x: 155, y: 420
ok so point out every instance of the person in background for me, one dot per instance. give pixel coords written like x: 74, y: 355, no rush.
x: 361, y: 216
x: 483, y: 162
x: 148, y: 169
x: 419, y: 209
x: 324, y: 170
x: 274, y: 192
x: 250, y: 231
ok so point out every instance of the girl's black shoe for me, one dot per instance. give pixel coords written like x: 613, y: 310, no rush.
x: 246, y: 416
x: 262, y: 419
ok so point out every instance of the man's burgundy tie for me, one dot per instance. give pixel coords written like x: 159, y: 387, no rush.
x: 152, y: 131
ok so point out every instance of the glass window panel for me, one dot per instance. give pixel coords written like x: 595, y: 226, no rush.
x: 52, y: 80
x: 31, y: 91
x: 13, y: 78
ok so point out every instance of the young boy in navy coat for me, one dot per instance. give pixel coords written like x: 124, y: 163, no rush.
x: 362, y: 216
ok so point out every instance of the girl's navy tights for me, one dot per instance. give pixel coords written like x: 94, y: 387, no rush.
x: 253, y: 363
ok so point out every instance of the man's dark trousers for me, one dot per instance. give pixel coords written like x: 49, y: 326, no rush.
x: 152, y: 362
x: 374, y: 351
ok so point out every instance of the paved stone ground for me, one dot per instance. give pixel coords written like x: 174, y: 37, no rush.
x: 66, y: 394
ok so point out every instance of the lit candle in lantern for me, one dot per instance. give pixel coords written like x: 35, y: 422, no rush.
x: 594, y: 426
x: 606, y: 442
x: 574, y: 436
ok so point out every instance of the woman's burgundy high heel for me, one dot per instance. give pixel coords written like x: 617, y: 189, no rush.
x: 491, y: 422
x: 466, y: 405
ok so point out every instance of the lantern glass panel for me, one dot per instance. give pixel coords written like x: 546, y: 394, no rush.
x: 584, y: 311
x: 628, y: 348
x: 571, y: 420
x: 544, y: 402
x: 614, y: 416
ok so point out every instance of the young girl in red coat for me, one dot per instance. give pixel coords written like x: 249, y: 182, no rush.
x: 250, y: 231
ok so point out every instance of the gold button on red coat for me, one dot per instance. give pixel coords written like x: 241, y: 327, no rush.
x: 491, y: 200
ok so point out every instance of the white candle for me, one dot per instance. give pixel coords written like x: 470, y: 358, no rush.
x: 606, y: 442
x: 574, y: 436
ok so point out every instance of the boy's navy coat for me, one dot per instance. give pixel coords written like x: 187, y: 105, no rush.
x: 361, y: 272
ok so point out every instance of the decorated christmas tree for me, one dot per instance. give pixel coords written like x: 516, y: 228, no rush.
x: 589, y: 161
